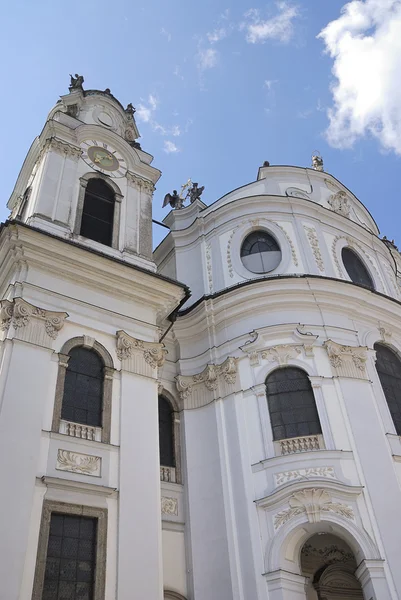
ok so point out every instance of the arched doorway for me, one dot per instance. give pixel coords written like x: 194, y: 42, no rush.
x: 329, y: 564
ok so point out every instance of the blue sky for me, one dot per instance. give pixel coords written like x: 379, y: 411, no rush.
x: 221, y: 86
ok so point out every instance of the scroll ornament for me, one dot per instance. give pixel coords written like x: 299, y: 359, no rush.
x: 209, y: 377
x: 313, y: 502
x: 153, y: 352
x: 19, y: 314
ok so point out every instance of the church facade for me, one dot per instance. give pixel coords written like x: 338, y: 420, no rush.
x: 219, y: 418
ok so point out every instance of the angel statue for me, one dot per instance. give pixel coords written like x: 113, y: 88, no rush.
x: 76, y: 82
x: 195, y: 192
x: 174, y: 200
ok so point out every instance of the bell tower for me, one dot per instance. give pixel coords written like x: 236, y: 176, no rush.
x: 86, y: 178
x: 81, y: 314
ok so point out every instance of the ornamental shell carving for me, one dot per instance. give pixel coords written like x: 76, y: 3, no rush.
x: 169, y: 506
x: 312, y: 502
x: 281, y: 354
x: 74, y: 462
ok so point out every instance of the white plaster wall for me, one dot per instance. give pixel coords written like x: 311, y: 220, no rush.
x: 174, y: 564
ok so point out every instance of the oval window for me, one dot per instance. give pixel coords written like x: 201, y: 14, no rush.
x: 355, y: 268
x: 260, y: 253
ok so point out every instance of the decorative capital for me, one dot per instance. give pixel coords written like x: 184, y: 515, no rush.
x: 193, y: 389
x: 63, y: 148
x: 140, y: 183
x: 348, y: 361
x: 30, y: 322
x: 130, y: 349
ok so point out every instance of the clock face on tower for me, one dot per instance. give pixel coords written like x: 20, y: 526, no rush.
x: 103, y: 158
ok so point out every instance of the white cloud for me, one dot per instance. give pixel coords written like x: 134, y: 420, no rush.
x: 217, y: 35
x: 144, y: 111
x: 170, y: 147
x: 153, y: 102
x: 365, y: 43
x: 177, y: 73
x: 280, y: 27
x: 207, y: 58
x: 269, y: 83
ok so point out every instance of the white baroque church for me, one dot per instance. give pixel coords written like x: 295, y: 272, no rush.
x: 217, y: 420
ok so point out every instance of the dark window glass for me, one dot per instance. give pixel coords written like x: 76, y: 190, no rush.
x: 356, y: 270
x: 291, y: 404
x: 83, y: 388
x: 71, y: 556
x: 166, y: 437
x: 98, y: 212
x: 260, y: 252
x: 388, y: 367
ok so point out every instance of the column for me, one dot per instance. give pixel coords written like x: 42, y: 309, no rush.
x: 24, y: 382
x: 283, y: 585
x: 139, y: 529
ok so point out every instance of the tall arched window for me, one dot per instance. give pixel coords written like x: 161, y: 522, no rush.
x: 98, y: 212
x: 291, y: 403
x: 166, y: 433
x: 355, y: 268
x: 83, y: 388
x: 388, y: 367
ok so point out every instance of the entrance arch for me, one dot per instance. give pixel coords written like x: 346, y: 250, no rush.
x: 329, y: 564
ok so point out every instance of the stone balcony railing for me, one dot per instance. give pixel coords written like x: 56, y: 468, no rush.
x: 306, y: 443
x: 85, y: 432
x: 167, y: 474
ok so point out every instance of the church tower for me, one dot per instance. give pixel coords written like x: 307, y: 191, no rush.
x: 82, y: 312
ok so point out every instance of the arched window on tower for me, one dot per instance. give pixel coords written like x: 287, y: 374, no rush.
x: 388, y: 367
x: 83, y: 388
x: 98, y: 212
x: 166, y: 433
x: 291, y: 403
x: 355, y: 268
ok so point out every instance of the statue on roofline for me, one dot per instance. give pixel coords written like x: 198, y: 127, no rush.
x: 176, y: 201
x: 76, y: 82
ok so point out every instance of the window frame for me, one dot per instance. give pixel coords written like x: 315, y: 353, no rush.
x: 64, y: 508
x: 364, y: 265
x: 108, y: 374
x: 397, y: 355
x: 176, y: 423
x: 260, y: 232
x: 84, y: 180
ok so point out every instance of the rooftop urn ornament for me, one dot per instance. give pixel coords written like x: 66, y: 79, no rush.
x: 76, y: 82
x: 317, y: 162
x: 176, y: 201
x: 266, y: 163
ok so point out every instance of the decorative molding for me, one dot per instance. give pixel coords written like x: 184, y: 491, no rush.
x: 314, y: 244
x: 295, y: 192
x: 133, y: 353
x: 313, y: 502
x: 61, y: 147
x: 75, y: 462
x: 169, y: 506
x: 31, y: 323
x: 347, y: 361
x: 209, y: 267
x: 328, y: 555
x: 84, y: 432
x: 385, y: 334
x: 293, y: 252
x: 281, y: 354
x: 312, y: 472
x: 202, y: 388
x: 229, y: 260
x: 339, y: 203
x: 168, y: 474
x: 392, y: 277
x: 140, y: 183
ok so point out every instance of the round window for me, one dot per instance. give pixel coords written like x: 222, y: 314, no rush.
x: 355, y: 268
x: 260, y: 252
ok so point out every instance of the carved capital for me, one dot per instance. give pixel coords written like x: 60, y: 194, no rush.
x: 200, y: 389
x: 348, y: 361
x: 132, y: 352
x: 140, y: 183
x: 63, y: 148
x: 30, y: 322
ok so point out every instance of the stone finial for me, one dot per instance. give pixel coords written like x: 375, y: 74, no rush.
x: 317, y: 162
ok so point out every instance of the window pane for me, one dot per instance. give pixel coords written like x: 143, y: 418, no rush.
x: 291, y: 404
x: 388, y: 367
x: 70, y: 578
x: 260, y: 252
x: 98, y: 212
x: 166, y: 437
x: 356, y: 270
x: 83, y: 388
